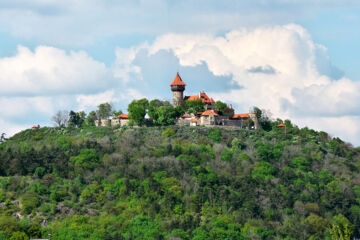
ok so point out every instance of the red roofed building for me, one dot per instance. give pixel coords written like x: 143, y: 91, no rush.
x: 209, y: 117
x: 121, y: 120
x: 186, y: 116
x: 123, y: 116
x: 243, y: 116
x: 194, y: 122
x: 209, y: 112
x: 204, y: 98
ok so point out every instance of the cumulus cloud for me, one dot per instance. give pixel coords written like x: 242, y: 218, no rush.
x: 279, y: 68
x: 119, y: 97
x: 49, y: 71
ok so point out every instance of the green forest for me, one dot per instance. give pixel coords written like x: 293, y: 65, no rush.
x: 172, y: 182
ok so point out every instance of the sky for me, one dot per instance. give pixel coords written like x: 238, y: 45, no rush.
x: 297, y: 59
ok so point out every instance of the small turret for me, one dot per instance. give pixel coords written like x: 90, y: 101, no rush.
x: 178, y: 88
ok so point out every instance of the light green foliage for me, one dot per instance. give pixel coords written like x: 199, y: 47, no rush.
x: 341, y: 228
x: 168, y: 132
x: 268, y: 152
x: 154, y: 107
x: 8, y: 225
x: 317, y: 225
x: 162, y: 113
x: 237, y: 145
x: 194, y: 106
x: 166, y: 115
x: 226, y: 154
x: 19, y: 236
x: 115, y: 113
x: 104, y: 110
x: 223, y: 109
x: 142, y: 227
x: 178, y: 183
x: 301, y: 163
x: 40, y: 172
x: 29, y: 202
x: 137, y: 110
x: 87, y: 159
x: 215, y: 135
x: 263, y: 171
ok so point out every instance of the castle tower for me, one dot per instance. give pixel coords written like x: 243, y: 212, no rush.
x: 178, y: 88
x: 253, y: 116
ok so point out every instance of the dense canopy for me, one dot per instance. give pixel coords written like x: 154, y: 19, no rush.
x: 178, y: 183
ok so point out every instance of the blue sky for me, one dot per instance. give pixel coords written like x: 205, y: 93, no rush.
x: 69, y: 54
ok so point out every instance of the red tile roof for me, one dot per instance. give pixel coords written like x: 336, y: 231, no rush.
x: 35, y: 126
x: 205, y: 98
x: 186, y: 116
x: 123, y: 116
x: 281, y: 125
x: 208, y: 112
x: 241, y: 115
x: 177, y: 81
x: 192, y: 98
x: 194, y: 120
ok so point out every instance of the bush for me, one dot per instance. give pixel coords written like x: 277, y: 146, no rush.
x: 215, y: 135
x: 19, y: 236
x: 29, y: 201
x: 168, y: 132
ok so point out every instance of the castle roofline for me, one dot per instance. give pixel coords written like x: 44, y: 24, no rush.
x: 203, y: 96
x: 177, y: 81
x: 208, y: 112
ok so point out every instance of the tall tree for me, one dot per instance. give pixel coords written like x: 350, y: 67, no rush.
x: 104, y: 110
x: 223, y: 109
x: 154, y: 107
x: 115, y: 113
x: 166, y: 115
x: 61, y: 118
x: 194, y: 106
x: 76, y: 119
x: 2, y: 137
x: 91, y: 117
x: 137, y: 110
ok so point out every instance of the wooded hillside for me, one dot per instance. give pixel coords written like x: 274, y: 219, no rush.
x: 178, y: 183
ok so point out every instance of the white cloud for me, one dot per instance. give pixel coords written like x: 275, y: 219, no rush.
x: 279, y: 68
x: 48, y: 71
x: 10, y: 128
x: 303, y: 85
x: 86, y: 102
x: 81, y: 22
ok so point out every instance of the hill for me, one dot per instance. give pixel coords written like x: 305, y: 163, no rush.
x: 178, y: 183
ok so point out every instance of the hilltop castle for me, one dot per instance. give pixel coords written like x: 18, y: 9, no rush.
x: 209, y: 117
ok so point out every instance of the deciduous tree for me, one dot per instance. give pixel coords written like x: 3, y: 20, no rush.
x: 137, y: 110
x: 61, y: 118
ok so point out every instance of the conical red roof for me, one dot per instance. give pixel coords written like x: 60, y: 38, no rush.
x: 177, y: 81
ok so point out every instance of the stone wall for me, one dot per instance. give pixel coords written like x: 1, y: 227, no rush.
x: 178, y: 98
